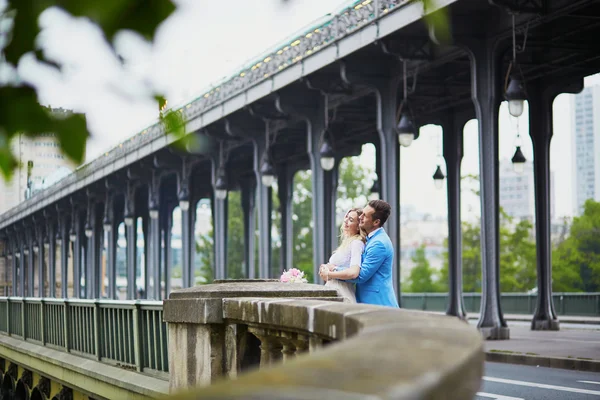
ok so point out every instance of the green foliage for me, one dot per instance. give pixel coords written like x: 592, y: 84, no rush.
x: 422, y: 276
x: 576, y: 260
x: 20, y: 111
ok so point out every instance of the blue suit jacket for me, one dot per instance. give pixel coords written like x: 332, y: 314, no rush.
x: 374, y: 283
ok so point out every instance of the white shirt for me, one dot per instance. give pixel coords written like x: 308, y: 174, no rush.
x: 373, y: 232
x: 348, y: 256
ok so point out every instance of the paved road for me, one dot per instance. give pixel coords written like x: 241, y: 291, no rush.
x: 516, y: 382
x: 563, y: 325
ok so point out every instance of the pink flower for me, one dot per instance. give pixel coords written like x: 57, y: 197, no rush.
x: 284, y: 278
x: 295, y: 272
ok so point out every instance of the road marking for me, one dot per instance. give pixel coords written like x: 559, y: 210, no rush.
x: 541, y: 385
x: 595, y: 383
x: 497, y: 396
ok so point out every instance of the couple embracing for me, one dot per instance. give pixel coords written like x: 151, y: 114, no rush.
x: 361, y: 267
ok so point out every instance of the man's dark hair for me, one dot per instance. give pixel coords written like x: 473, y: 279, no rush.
x: 382, y: 210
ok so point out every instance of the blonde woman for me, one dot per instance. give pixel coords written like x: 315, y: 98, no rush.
x: 347, y: 257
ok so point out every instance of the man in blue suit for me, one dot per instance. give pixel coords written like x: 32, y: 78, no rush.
x: 374, y: 281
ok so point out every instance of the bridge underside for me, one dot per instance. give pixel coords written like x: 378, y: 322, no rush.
x: 347, y: 91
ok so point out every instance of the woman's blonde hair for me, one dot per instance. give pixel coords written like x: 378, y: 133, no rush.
x: 346, y: 240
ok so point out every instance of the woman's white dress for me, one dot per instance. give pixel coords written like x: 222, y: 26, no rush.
x: 343, y: 259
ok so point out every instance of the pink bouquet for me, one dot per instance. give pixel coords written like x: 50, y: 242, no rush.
x: 293, y: 275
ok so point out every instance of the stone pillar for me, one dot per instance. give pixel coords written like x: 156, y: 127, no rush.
x: 203, y: 345
x: 263, y: 195
x: 453, y: 154
x: 285, y: 191
x: 248, y: 198
x: 485, y: 62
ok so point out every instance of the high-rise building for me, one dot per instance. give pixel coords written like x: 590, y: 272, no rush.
x: 586, y: 147
x: 517, y: 191
x: 46, y: 162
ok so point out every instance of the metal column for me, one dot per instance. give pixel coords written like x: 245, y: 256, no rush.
x: 453, y: 154
x: 248, y: 198
x: 485, y: 83
x: 285, y: 190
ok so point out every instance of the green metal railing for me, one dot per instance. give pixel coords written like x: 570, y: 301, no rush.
x: 572, y: 304
x: 128, y: 334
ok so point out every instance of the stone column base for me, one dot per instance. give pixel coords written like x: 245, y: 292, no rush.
x: 545, y: 325
x: 495, y: 333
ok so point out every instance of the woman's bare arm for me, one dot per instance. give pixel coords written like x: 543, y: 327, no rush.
x: 348, y: 273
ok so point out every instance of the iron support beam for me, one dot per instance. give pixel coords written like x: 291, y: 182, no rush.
x: 219, y: 216
x: 153, y: 243
x: 316, y: 127
x: 330, y: 191
x: 51, y: 235
x: 248, y: 200
x: 112, y: 235
x: 40, y: 259
x: 263, y: 194
x: 541, y: 99
x: 386, y: 91
x: 285, y: 191
x: 187, y: 223
x: 76, y: 229
x: 485, y: 68
x: 166, y: 227
x: 29, y: 270
x: 453, y: 154
x: 15, y: 260
x: 130, y: 218
x: 143, y: 294
x: 64, y: 253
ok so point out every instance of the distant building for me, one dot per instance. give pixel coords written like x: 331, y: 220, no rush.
x: 586, y: 147
x: 517, y: 191
x: 49, y: 166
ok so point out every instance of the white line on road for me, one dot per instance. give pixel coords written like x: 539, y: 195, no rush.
x: 541, y: 385
x: 595, y: 383
x: 497, y: 396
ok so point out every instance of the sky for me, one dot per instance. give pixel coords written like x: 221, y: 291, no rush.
x: 205, y: 41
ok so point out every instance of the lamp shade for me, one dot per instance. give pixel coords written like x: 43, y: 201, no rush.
x: 438, y: 177
x: 267, y: 173
x: 518, y: 160
x: 515, y: 95
x: 327, y: 155
x: 406, y: 130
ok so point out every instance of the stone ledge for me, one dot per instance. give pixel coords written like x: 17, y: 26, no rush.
x: 386, y: 353
x: 82, y: 374
x: 251, y: 288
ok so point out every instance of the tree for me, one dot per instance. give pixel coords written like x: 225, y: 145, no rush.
x: 576, y: 263
x: 422, y: 276
x: 517, y: 256
x: 20, y: 111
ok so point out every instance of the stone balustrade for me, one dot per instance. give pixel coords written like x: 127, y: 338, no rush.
x: 292, y: 341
